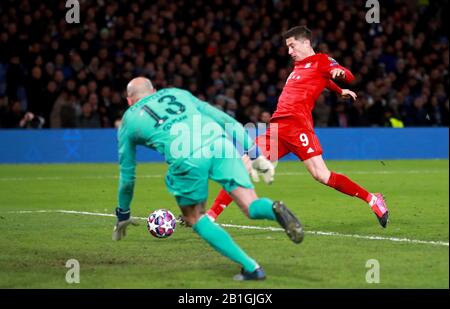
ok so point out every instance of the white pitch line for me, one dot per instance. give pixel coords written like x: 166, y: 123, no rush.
x: 249, y: 227
x: 44, y: 178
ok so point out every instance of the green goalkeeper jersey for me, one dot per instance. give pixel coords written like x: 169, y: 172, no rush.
x: 175, y: 123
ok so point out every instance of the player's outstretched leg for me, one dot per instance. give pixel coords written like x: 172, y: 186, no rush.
x: 375, y: 200
x: 222, y: 242
x: 318, y: 169
x: 264, y: 208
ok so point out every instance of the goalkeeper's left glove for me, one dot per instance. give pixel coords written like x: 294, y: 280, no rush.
x: 248, y: 166
x: 262, y: 166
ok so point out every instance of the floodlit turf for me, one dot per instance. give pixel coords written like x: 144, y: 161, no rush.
x: 35, y: 246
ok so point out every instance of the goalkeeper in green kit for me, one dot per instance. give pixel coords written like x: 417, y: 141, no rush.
x: 193, y: 137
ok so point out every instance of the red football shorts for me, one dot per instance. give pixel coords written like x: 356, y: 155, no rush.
x: 282, y: 138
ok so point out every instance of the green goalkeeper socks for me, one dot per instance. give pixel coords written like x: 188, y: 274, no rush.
x: 222, y: 242
x: 261, y: 209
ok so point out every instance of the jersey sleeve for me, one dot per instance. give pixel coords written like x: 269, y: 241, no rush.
x: 127, y: 163
x: 333, y: 87
x: 327, y: 64
x: 232, y: 127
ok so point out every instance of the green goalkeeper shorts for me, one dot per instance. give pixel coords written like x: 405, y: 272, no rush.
x: 187, y: 179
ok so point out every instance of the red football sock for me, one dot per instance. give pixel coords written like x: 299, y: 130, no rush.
x: 345, y: 185
x: 222, y: 200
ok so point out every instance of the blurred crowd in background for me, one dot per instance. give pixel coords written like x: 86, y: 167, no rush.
x: 230, y: 53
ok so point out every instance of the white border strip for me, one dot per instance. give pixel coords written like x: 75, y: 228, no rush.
x: 248, y: 227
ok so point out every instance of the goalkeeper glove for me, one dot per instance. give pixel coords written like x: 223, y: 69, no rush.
x: 260, y: 165
x: 123, y: 221
x: 264, y: 168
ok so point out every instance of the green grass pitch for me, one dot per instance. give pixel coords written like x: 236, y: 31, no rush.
x: 35, y: 246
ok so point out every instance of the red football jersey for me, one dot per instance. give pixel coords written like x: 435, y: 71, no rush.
x: 303, y: 86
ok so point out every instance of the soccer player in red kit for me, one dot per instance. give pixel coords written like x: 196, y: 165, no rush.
x: 292, y: 123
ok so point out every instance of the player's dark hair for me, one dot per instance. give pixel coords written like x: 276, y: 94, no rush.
x: 299, y: 32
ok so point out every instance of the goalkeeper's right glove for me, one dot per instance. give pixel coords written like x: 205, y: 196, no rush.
x: 123, y: 221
